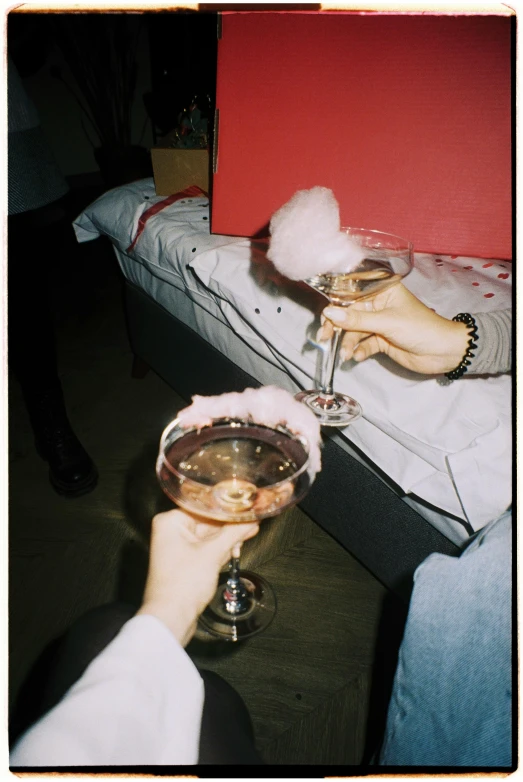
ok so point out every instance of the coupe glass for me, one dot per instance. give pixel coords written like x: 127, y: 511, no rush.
x: 388, y: 258
x: 234, y: 471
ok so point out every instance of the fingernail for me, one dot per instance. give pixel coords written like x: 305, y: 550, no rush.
x: 334, y: 314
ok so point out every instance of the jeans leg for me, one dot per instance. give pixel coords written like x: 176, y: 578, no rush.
x: 451, y: 703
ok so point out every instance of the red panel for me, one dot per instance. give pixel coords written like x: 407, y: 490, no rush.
x: 406, y: 118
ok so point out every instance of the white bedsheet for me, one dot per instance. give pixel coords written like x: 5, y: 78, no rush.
x: 448, y: 445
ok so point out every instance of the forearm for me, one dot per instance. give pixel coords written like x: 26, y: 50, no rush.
x: 494, y: 351
x: 139, y: 703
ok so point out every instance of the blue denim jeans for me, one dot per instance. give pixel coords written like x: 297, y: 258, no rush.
x: 451, y: 703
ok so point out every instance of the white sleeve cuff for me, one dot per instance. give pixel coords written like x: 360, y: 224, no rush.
x: 139, y: 703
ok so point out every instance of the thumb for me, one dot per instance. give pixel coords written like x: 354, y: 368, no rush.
x: 351, y: 319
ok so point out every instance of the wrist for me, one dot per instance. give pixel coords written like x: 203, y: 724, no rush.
x: 469, y: 324
x: 180, y: 625
x: 456, y: 345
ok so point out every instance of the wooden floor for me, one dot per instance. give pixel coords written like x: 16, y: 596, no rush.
x: 309, y: 678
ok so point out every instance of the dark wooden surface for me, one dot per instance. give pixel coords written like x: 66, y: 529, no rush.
x: 308, y: 679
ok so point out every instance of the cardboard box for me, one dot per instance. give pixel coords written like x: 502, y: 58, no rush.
x: 407, y: 118
x: 176, y: 169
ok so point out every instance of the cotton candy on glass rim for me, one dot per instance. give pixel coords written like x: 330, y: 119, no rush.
x: 306, y: 239
x: 269, y: 405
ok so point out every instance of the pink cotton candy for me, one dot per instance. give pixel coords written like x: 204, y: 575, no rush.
x: 268, y: 405
x: 306, y: 239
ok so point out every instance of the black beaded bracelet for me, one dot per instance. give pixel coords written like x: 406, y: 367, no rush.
x: 469, y: 321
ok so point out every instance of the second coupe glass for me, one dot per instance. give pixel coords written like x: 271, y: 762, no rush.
x: 388, y: 258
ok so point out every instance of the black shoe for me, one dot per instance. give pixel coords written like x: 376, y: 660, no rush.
x: 71, y: 469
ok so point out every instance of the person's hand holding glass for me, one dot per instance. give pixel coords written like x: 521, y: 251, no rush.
x: 398, y: 324
x: 388, y: 258
x: 346, y: 265
x: 186, y: 555
x: 239, y: 458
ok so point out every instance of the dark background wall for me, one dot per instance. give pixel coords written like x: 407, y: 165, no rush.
x: 176, y: 58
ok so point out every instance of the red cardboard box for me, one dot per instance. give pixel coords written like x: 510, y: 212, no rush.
x: 407, y: 118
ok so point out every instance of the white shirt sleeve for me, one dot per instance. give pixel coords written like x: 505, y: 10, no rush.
x: 139, y: 703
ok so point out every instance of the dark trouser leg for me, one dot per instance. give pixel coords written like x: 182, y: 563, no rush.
x: 227, y: 736
x: 32, y: 353
x: 33, y: 240
x: 226, y: 732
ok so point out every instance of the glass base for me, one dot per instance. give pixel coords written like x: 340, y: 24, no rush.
x: 258, y: 614
x: 332, y: 410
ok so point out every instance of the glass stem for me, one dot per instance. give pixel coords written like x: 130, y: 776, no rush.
x: 326, y: 385
x: 235, y: 595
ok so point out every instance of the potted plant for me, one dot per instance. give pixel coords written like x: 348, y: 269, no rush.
x: 100, y: 50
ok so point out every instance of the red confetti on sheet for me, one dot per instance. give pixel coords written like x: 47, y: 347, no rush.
x: 190, y: 192
x: 503, y: 276
x: 487, y: 265
x: 488, y: 295
x: 475, y: 283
